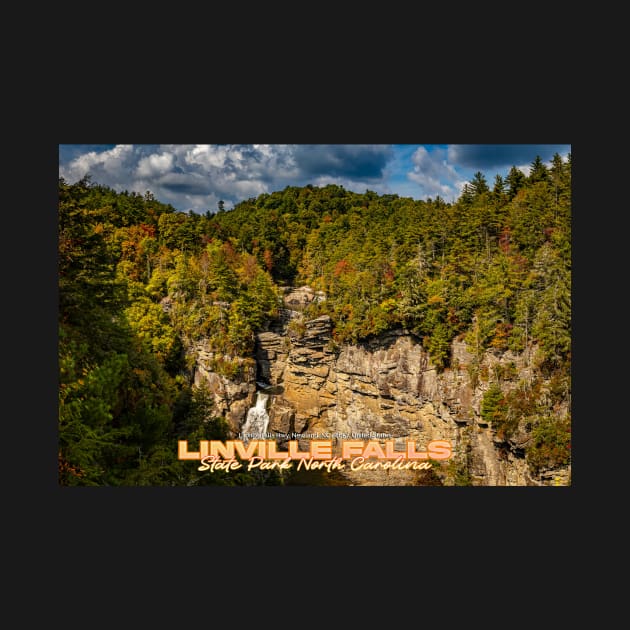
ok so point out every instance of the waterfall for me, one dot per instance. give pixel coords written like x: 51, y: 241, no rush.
x: 257, y: 419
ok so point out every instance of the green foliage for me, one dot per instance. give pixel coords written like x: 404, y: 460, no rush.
x: 552, y: 323
x: 89, y: 291
x: 151, y: 324
x: 438, y: 345
x: 492, y: 404
x: 479, y: 184
x: 515, y: 180
x: 560, y: 386
x: 139, y: 283
x: 296, y: 328
x: 458, y: 472
x: 551, y: 444
x: 538, y: 171
x: 377, y: 258
x: 87, y: 398
x: 515, y: 409
x: 121, y: 346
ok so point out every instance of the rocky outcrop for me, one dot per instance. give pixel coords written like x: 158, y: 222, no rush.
x: 230, y: 380
x: 297, y: 299
x: 384, y: 388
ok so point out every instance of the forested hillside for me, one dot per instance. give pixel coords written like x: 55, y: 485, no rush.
x: 140, y: 283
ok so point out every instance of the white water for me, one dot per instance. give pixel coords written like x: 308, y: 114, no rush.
x: 257, y: 419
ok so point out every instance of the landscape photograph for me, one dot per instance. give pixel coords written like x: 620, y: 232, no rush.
x: 295, y: 315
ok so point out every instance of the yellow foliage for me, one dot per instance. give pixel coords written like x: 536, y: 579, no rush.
x: 389, y: 305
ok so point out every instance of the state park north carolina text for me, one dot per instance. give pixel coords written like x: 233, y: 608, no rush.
x: 264, y: 454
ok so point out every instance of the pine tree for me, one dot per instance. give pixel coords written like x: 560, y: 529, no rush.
x: 467, y: 195
x: 479, y: 185
x: 499, y: 188
x: 515, y: 180
x: 560, y: 176
x: 492, y: 404
x: 538, y: 171
x: 552, y: 323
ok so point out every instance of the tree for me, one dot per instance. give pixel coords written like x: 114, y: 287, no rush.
x: 467, y: 194
x: 151, y: 324
x: 223, y: 277
x: 525, y: 309
x: 90, y: 294
x: 538, y: 171
x: 410, y: 285
x: 492, y: 404
x: 550, y: 446
x: 560, y: 176
x: 498, y: 191
x: 479, y: 184
x: 88, y: 394
x: 552, y: 323
x: 515, y: 180
x: 437, y: 344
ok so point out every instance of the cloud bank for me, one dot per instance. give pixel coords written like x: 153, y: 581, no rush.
x: 197, y: 176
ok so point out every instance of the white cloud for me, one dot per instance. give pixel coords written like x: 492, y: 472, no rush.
x: 434, y: 174
x: 196, y: 176
x: 261, y: 163
x: 108, y: 165
x: 155, y: 165
x: 210, y: 156
x: 524, y: 168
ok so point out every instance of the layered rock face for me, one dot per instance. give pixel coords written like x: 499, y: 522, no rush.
x: 233, y: 395
x: 385, y: 388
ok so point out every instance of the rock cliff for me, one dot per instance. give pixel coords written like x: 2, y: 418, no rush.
x: 383, y: 388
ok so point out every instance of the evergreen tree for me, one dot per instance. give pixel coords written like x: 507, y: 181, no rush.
x: 498, y: 190
x: 560, y: 176
x: 538, y: 171
x: 515, y: 180
x: 467, y: 195
x: 479, y: 185
x: 552, y: 323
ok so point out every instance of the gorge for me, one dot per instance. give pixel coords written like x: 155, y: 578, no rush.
x: 313, y: 311
x: 383, y: 388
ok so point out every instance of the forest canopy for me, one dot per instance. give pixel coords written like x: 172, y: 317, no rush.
x: 140, y: 283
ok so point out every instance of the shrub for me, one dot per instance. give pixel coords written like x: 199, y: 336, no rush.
x: 551, y: 444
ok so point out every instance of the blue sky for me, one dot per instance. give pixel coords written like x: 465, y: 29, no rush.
x: 196, y: 176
